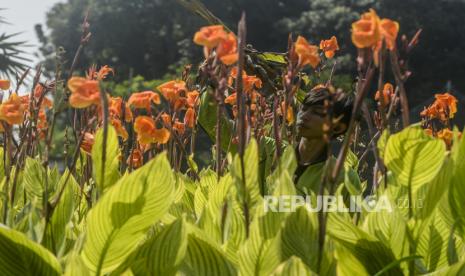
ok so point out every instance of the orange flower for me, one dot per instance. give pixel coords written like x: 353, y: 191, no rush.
x: 172, y: 90
x: 136, y: 159
x: 4, y: 84
x: 161, y: 135
x: 193, y: 98
x: 366, y: 31
x: 447, y: 135
x: 116, y: 109
x: 389, y: 30
x: 388, y: 93
x: 144, y: 127
x: 120, y: 130
x: 166, y: 118
x: 13, y: 110
x: 329, y: 46
x: 189, y: 118
x: 448, y: 102
x: 443, y: 108
x: 307, y: 53
x: 84, y: 93
x: 290, y: 113
x: 42, y: 124
x: 210, y: 36
x: 179, y: 127
x: 249, y: 83
x: 147, y: 132
x: 144, y: 99
x: 39, y: 91
x: 88, y: 142
x: 231, y: 99
x: 227, y: 50
x: 93, y: 74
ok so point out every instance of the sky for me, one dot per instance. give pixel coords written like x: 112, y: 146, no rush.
x: 22, y: 16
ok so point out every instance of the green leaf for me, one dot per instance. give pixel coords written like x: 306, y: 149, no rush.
x: 55, y: 233
x: 251, y: 192
x: 20, y: 256
x: 111, y: 161
x: 163, y: 253
x: 293, y: 267
x: 365, y: 248
x: 299, y: 237
x: 207, y: 120
x: 414, y: 157
x: 121, y: 218
x: 457, y: 187
x: 203, y: 258
x: 35, y: 178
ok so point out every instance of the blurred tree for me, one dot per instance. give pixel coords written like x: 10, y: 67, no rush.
x: 153, y: 37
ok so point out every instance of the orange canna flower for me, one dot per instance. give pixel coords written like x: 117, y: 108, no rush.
x: 147, y: 132
x: 144, y: 99
x: 307, y: 53
x: 193, y: 98
x: 116, y: 109
x: 93, y: 74
x: 290, y: 113
x: 88, y: 142
x: 231, y: 99
x: 249, y: 83
x: 443, y: 108
x: 84, y: 93
x: 136, y: 159
x: 389, y: 30
x: 446, y: 135
x: 210, y: 36
x: 166, y: 118
x: 144, y: 127
x: 179, y: 127
x: 448, y: 102
x: 172, y: 90
x: 366, y: 31
x: 329, y: 46
x: 161, y: 135
x: 189, y: 118
x: 13, y: 110
x: 227, y: 50
x: 388, y: 93
x: 120, y: 130
x: 4, y: 84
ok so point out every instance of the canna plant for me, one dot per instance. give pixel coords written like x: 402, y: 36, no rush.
x: 132, y: 200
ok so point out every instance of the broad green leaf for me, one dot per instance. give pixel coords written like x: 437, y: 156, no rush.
x: 36, y: 180
x: 250, y: 193
x: 366, y: 248
x: 457, y: 187
x: 207, y: 120
x: 294, y: 266
x: 111, y: 161
x: 203, y: 258
x: 55, y: 233
x: 21, y: 256
x: 299, y: 237
x: 163, y: 253
x: 121, y: 218
x: 260, y: 254
x: 414, y: 157
x: 75, y: 266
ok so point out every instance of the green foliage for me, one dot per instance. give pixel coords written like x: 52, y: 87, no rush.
x: 153, y: 221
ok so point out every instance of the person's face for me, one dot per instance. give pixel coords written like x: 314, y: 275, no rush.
x: 310, y: 123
